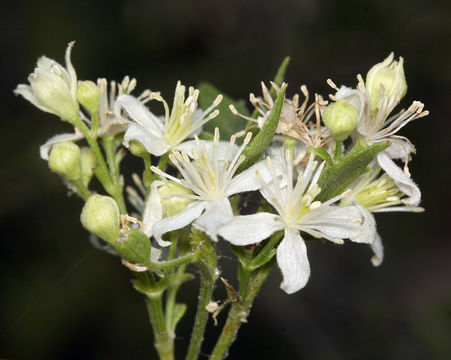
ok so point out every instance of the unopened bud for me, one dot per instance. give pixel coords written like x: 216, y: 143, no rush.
x: 88, y: 164
x: 137, y: 149
x: 64, y: 160
x: 100, y: 216
x: 173, y: 204
x: 390, y: 75
x: 341, y: 119
x: 88, y: 94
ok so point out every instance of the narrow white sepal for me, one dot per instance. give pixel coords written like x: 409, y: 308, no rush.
x: 250, y: 229
x: 293, y: 262
x: 140, y: 114
x: 367, y: 233
x: 402, y: 181
x: 378, y: 249
x: 153, y: 143
x: 178, y: 221
x: 153, y: 210
x: 44, y: 150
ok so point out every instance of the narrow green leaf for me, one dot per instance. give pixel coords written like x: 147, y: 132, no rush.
x: 323, y: 154
x: 261, y: 141
x: 227, y: 123
x: 337, y: 177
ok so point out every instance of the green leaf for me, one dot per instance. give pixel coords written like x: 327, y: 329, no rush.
x: 177, y: 314
x: 337, y: 177
x: 261, y: 141
x: 323, y: 154
x: 227, y: 123
x: 135, y: 247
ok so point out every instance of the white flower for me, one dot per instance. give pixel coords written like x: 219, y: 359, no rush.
x: 53, y: 88
x: 210, y: 176
x: 297, y: 211
x: 374, y: 192
x: 161, y: 135
x: 378, y: 126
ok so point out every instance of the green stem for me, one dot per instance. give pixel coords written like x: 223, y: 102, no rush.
x: 251, y: 283
x: 101, y: 172
x: 197, y: 335
x: 164, y: 341
x: 171, y: 295
x: 82, y: 189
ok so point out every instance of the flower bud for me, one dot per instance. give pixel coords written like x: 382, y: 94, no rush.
x: 173, y: 204
x: 64, y: 159
x: 54, y: 93
x: 88, y: 163
x: 341, y: 119
x: 389, y: 74
x: 100, y: 216
x: 137, y: 149
x: 88, y: 94
x: 134, y: 246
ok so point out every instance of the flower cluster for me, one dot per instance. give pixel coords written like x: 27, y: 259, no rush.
x: 290, y: 173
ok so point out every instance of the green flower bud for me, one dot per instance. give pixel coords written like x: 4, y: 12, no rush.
x: 64, y: 159
x: 137, y: 149
x: 54, y: 93
x: 100, y: 215
x: 88, y: 94
x: 134, y: 247
x: 173, y: 204
x: 88, y: 163
x: 341, y: 119
x: 389, y: 74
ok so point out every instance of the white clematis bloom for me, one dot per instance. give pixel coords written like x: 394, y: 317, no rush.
x: 210, y: 176
x: 374, y: 193
x: 377, y: 126
x: 160, y: 135
x: 297, y: 212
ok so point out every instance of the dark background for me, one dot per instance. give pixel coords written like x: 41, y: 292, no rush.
x: 60, y: 299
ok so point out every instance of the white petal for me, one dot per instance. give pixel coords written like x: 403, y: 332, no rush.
x: 402, y: 181
x: 139, y: 113
x: 293, y: 262
x: 45, y: 149
x: 28, y: 94
x: 398, y: 151
x: 178, y: 221
x: 153, y: 210
x: 338, y: 222
x: 153, y: 143
x: 250, y: 229
x: 367, y: 232
x: 378, y: 250
x: 247, y: 180
x: 217, y: 213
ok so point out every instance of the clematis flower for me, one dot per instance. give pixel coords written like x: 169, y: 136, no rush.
x: 210, y: 176
x: 375, y: 192
x: 159, y: 135
x: 377, y: 125
x: 297, y: 212
x: 53, y: 88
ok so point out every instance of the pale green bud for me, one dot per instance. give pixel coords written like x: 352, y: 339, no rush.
x: 64, y: 159
x: 54, y: 93
x: 100, y: 216
x: 137, y: 149
x: 390, y: 75
x: 88, y: 94
x: 173, y: 204
x: 341, y: 119
x: 88, y: 163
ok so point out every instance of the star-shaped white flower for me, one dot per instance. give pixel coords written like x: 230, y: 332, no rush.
x: 210, y: 176
x: 160, y: 135
x: 297, y: 212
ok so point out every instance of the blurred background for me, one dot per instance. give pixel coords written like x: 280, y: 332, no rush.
x: 62, y: 299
